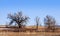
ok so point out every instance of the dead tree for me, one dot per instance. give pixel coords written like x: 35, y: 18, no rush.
x: 37, y: 22
x: 50, y: 23
x: 18, y: 19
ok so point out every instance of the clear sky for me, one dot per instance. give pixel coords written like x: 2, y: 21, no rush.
x: 31, y: 8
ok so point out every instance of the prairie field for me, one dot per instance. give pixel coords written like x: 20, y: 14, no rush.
x: 29, y: 33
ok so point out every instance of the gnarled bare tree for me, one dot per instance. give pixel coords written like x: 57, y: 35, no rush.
x: 18, y: 18
x: 50, y: 22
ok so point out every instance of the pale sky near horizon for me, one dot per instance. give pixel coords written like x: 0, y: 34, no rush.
x: 31, y: 8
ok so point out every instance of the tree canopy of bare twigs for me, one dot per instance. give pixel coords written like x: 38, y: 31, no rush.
x: 18, y: 18
x: 50, y: 22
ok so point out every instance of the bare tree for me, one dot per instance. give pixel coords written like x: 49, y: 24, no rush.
x: 50, y: 23
x: 18, y: 18
x: 37, y: 22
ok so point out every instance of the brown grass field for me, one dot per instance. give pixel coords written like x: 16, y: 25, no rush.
x: 29, y: 33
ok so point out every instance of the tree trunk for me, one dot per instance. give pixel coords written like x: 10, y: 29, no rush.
x: 20, y: 26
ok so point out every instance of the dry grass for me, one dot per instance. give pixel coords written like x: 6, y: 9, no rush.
x: 29, y: 33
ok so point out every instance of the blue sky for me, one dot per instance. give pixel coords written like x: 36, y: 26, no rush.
x: 31, y: 8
